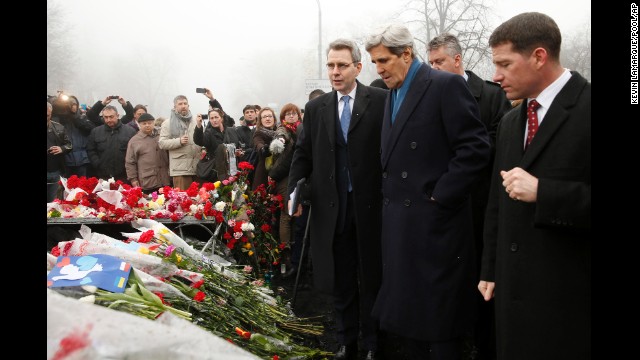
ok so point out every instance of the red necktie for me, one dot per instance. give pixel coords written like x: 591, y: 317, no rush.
x: 532, y: 122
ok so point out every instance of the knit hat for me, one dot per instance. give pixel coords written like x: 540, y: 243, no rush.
x: 145, y: 117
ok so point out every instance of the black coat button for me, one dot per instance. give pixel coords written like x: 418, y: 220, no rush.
x: 404, y: 174
x: 514, y: 247
x: 413, y: 145
x: 386, y: 201
x: 331, y: 177
x: 331, y: 204
x: 407, y: 202
x: 384, y: 175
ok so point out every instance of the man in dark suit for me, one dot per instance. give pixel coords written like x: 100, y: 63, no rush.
x: 340, y: 143
x: 433, y: 149
x: 537, y: 254
x: 445, y: 53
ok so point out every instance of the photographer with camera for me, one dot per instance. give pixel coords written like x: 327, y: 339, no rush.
x: 107, y: 146
x: 228, y: 121
x: 94, y: 113
x: 66, y: 111
x: 58, y: 144
x: 213, y: 138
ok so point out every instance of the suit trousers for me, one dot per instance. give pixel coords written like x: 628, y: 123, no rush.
x: 352, y: 305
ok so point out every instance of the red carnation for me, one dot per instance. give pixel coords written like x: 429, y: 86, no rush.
x: 199, y: 296
x: 146, y: 236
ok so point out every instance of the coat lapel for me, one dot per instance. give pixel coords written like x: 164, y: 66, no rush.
x: 359, y: 106
x: 390, y: 134
x: 328, y: 115
x: 557, y: 114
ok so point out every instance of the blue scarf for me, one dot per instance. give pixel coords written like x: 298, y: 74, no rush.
x: 397, y: 95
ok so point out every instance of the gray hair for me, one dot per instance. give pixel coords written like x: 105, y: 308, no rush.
x: 396, y: 38
x: 179, y: 97
x: 110, y: 107
x: 449, y: 41
x: 341, y: 44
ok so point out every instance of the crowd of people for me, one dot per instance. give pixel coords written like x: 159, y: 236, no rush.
x: 420, y: 190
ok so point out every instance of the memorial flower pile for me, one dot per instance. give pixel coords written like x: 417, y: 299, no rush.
x: 244, y: 217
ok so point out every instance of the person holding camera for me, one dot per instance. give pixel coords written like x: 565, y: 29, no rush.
x: 107, y: 146
x: 78, y: 127
x: 58, y: 144
x: 213, y: 138
x: 228, y: 121
x: 94, y: 113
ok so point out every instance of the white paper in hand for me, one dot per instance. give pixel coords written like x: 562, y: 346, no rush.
x: 292, y: 202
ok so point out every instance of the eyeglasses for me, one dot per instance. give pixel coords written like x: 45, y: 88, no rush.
x: 266, y: 116
x: 340, y: 66
x: 291, y: 114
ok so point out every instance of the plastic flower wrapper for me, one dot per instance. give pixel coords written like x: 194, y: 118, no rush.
x: 70, y: 194
x: 156, y: 285
x: 113, y: 197
x: 83, y: 331
x: 165, y: 235
x: 148, y: 263
x: 51, y: 261
x: 104, y: 185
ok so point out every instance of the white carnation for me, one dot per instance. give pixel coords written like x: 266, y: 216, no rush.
x: 247, y: 227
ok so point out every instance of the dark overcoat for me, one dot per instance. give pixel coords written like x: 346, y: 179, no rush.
x: 539, y: 254
x: 316, y: 153
x: 436, y: 148
x: 493, y: 104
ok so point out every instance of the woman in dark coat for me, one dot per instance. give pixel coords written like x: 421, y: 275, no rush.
x: 261, y: 139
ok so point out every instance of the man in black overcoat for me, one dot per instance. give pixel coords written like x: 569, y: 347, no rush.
x: 344, y: 157
x: 445, y: 53
x: 537, y: 252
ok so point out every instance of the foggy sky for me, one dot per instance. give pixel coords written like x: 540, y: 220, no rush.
x: 246, y: 51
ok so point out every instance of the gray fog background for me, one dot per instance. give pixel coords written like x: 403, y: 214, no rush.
x: 245, y: 51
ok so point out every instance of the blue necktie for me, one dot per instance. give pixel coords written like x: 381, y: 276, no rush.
x: 345, y: 119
